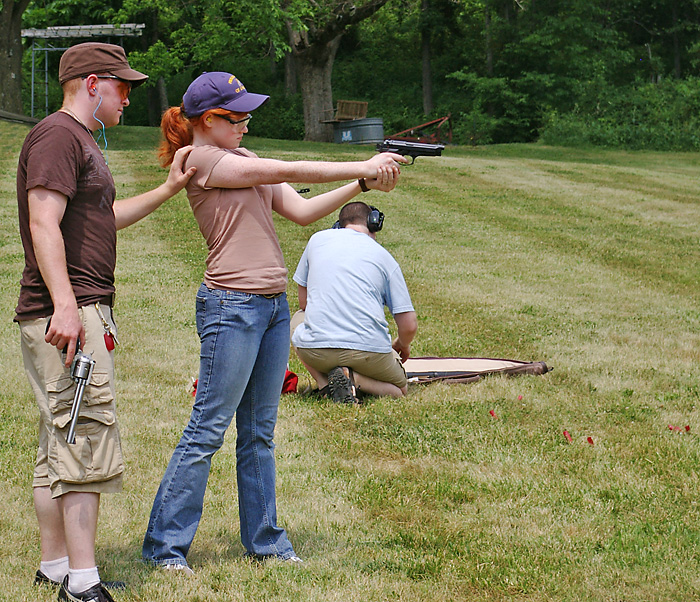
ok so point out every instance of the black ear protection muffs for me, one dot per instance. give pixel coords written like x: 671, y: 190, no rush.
x: 375, y: 220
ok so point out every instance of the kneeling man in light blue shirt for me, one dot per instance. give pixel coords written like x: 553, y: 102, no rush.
x: 341, y: 335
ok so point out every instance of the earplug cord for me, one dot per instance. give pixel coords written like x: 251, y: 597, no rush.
x: 102, y: 134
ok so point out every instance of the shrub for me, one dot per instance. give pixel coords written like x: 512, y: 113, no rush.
x: 651, y: 116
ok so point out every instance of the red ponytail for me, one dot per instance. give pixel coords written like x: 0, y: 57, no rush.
x: 177, y: 132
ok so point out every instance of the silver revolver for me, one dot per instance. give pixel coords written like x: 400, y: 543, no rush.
x: 80, y: 371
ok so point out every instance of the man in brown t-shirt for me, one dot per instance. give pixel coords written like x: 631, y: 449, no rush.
x: 68, y: 219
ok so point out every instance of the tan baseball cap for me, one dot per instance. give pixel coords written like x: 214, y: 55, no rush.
x: 97, y: 57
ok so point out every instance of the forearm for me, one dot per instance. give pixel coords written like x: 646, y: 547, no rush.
x: 405, y: 335
x: 66, y: 327
x: 309, y: 210
x: 407, y: 326
x: 50, y: 254
x: 302, y: 294
x: 255, y: 172
x: 131, y: 210
x: 319, y: 172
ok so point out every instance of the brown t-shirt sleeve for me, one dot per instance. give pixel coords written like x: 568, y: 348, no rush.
x: 53, y: 170
x: 205, y: 159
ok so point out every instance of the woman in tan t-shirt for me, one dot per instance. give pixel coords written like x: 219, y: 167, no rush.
x: 242, y: 311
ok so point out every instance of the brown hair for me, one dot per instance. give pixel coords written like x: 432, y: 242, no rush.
x: 177, y: 130
x: 71, y: 88
x: 356, y: 212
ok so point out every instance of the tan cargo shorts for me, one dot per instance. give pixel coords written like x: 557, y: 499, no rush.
x: 94, y: 462
x: 384, y: 367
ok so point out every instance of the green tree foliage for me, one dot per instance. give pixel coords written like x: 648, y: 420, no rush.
x: 506, y: 70
x: 188, y: 38
x: 181, y: 40
x: 40, y: 15
x: 646, y: 116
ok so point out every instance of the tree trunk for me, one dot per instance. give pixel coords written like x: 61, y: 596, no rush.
x: 427, y: 70
x: 676, y: 42
x: 156, y: 96
x: 157, y: 102
x: 314, y: 48
x: 162, y: 95
x: 314, y: 67
x: 488, y: 44
x: 488, y: 39
x: 290, y: 74
x: 11, y: 55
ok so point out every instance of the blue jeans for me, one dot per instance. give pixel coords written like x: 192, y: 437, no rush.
x: 244, y: 354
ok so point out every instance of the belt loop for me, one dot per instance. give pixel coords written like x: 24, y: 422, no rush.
x: 107, y: 300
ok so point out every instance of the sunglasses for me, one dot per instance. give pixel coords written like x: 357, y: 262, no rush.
x: 124, y: 86
x: 243, y: 121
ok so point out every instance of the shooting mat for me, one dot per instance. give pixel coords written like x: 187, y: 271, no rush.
x: 466, y: 369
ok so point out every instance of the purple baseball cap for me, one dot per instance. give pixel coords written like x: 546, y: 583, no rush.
x: 219, y: 90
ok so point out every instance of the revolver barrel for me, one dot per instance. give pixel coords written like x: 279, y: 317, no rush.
x: 81, y: 371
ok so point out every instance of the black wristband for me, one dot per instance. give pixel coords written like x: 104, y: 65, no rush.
x: 363, y: 185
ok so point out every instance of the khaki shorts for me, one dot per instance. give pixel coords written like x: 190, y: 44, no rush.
x: 384, y: 367
x: 94, y: 462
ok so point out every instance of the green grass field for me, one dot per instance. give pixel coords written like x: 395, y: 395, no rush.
x: 588, y: 260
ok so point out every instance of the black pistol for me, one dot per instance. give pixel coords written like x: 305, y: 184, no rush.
x: 410, y: 149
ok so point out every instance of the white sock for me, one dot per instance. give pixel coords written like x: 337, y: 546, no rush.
x: 80, y: 580
x: 55, y: 570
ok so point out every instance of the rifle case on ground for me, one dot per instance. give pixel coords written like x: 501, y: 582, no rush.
x: 466, y: 369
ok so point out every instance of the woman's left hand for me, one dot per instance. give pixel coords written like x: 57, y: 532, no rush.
x: 384, y: 182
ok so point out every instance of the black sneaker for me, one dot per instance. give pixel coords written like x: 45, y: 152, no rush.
x: 97, y: 593
x: 41, y: 579
x: 341, y: 385
x: 313, y: 392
